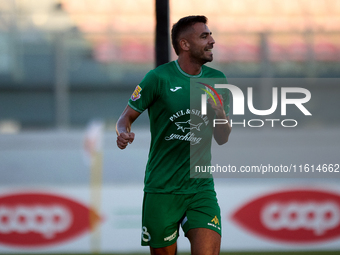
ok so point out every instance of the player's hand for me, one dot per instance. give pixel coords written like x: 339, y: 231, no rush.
x: 124, y: 139
x: 217, y: 107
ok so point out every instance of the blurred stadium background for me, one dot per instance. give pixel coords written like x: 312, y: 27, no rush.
x: 65, y: 63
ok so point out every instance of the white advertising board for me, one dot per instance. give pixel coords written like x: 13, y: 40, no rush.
x: 254, y: 217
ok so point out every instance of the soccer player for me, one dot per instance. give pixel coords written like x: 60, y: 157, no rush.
x: 180, y: 137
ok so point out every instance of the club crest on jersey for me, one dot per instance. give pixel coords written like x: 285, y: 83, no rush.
x: 136, y: 94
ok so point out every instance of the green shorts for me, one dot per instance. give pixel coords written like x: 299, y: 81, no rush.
x: 163, y: 213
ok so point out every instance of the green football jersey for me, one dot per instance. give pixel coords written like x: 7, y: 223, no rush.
x: 180, y: 135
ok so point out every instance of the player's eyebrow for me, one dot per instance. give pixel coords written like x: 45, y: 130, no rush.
x: 206, y: 33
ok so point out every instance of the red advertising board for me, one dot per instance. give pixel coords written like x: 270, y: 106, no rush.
x: 38, y: 219
x: 294, y: 216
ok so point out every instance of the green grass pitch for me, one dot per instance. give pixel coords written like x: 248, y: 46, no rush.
x: 222, y: 253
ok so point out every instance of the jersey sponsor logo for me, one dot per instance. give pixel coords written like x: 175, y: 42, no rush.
x: 146, y: 237
x: 37, y: 219
x: 295, y: 216
x: 192, y: 112
x: 187, y: 125
x: 190, y: 137
x: 136, y: 94
x: 175, y: 89
x: 171, y: 237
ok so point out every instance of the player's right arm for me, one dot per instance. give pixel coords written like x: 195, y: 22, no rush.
x: 123, y: 127
x: 142, y: 97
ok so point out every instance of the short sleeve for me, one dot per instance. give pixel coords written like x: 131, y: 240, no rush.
x: 145, y: 93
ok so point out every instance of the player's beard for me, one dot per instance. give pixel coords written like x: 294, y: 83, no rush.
x: 201, y: 56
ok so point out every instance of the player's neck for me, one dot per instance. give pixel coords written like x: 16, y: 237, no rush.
x: 189, y: 67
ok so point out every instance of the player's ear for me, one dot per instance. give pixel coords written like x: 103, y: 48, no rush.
x: 184, y: 44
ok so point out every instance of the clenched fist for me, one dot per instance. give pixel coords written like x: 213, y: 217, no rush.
x: 123, y: 139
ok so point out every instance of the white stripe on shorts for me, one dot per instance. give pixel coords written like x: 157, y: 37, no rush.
x: 184, y: 221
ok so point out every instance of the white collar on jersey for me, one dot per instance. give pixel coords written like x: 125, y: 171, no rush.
x: 186, y: 74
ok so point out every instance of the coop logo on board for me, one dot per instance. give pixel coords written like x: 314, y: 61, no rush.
x: 295, y: 216
x: 39, y: 219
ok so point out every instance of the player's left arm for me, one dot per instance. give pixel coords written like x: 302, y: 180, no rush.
x: 221, y: 131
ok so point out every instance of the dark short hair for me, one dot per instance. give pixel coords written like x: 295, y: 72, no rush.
x: 182, y: 25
